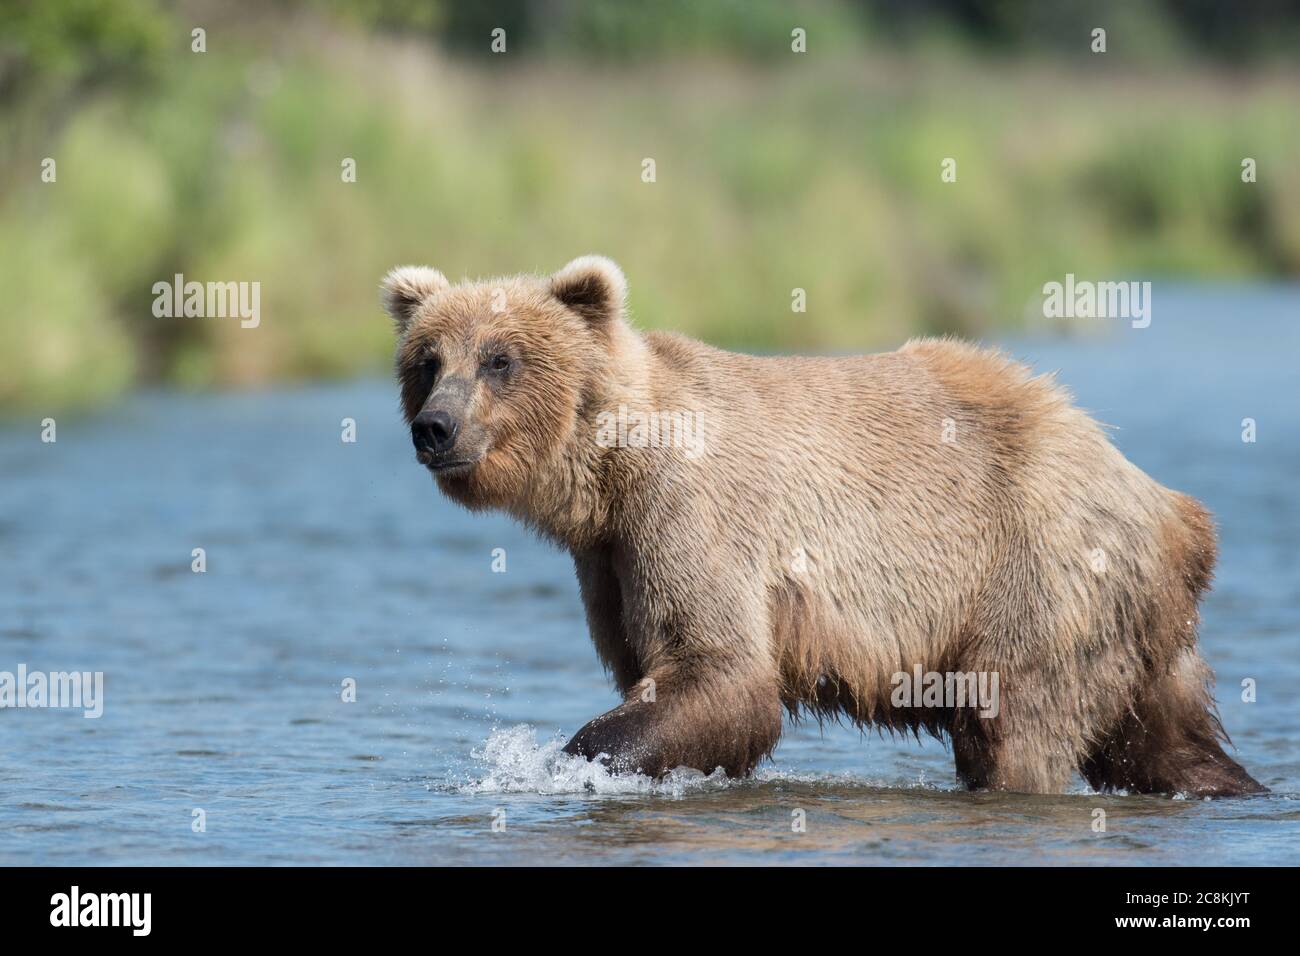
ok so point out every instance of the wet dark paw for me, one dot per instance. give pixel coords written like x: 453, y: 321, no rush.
x: 618, y: 741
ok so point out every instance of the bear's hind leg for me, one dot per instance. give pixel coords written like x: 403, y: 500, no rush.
x: 1169, y: 742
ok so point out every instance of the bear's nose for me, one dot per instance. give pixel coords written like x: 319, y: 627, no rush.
x: 434, y: 431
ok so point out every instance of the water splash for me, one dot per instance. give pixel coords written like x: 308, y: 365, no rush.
x: 514, y: 762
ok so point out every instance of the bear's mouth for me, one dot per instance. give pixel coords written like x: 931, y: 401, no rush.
x: 443, y: 464
x: 451, y: 467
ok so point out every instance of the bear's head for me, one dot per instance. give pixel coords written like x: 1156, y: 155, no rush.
x: 495, y: 375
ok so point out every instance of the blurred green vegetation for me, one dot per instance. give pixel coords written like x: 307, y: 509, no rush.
x: 775, y: 171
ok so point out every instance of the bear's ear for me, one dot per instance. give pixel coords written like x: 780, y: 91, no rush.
x: 592, y: 286
x: 406, y: 287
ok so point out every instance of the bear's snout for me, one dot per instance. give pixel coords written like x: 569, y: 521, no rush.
x: 434, y: 433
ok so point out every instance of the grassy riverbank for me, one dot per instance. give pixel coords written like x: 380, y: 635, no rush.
x: 782, y: 172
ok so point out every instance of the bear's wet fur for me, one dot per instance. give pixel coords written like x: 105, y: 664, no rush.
x: 849, y: 520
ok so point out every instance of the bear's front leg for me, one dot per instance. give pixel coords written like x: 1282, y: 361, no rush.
x: 688, y: 641
x: 708, y: 721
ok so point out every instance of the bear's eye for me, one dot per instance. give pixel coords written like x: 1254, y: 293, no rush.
x: 431, y: 366
x: 499, y: 363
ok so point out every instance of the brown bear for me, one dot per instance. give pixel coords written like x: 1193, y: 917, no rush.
x: 757, y: 534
